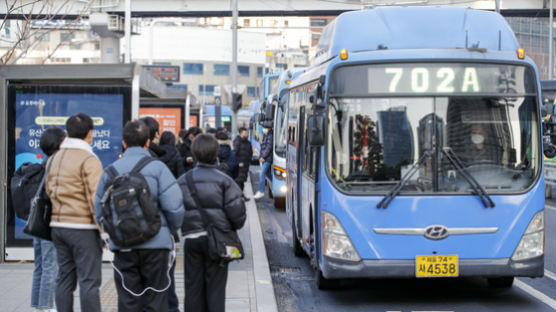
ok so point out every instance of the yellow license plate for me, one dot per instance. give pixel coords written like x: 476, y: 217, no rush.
x: 436, y: 266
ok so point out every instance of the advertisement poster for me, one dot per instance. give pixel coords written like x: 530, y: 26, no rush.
x: 193, y: 121
x: 169, y: 118
x: 37, y: 109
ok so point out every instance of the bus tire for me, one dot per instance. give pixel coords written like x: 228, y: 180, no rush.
x: 297, y: 249
x: 280, y: 202
x: 322, y: 282
x: 500, y: 282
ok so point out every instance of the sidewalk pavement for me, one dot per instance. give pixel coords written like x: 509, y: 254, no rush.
x: 249, y: 286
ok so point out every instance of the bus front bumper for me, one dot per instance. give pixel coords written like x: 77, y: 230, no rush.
x: 335, y: 268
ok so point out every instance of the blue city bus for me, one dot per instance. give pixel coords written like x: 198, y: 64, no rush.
x: 415, y: 150
x: 209, y: 117
x: 279, y: 101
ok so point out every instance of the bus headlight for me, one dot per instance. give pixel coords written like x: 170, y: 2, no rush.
x: 532, y: 242
x: 336, y: 243
x: 279, y: 174
x: 283, y: 189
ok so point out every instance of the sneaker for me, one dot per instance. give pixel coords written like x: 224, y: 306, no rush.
x: 258, y: 195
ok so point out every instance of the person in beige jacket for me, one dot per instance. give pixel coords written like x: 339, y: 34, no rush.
x: 71, y: 185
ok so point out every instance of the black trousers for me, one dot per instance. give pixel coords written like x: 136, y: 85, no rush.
x: 242, y: 173
x: 142, y: 268
x: 205, y: 280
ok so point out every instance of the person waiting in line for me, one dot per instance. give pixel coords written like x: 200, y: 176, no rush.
x: 266, y: 160
x: 171, y: 157
x: 154, y: 136
x: 220, y: 197
x: 46, y: 267
x: 146, y: 264
x: 184, y: 147
x: 164, y: 150
x: 211, y: 131
x: 71, y: 184
x: 226, y: 157
x: 244, y: 152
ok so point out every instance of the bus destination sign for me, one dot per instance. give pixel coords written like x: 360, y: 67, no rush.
x: 432, y: 78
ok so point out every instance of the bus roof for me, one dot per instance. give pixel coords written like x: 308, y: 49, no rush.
x: 209, y: 110
x: 415, y: 28
x: 287, y: 75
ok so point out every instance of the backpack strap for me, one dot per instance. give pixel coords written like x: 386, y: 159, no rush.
x: 112, y: 172
x: 193, y: 192
x: 141, y: 164
x: 49, y: 162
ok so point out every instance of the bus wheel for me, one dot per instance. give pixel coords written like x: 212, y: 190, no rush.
x: 322, y: 282
x: 280, y: 202
x: 297, y: 249
x: 500, y: 282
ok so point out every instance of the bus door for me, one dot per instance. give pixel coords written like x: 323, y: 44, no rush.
x: 291, y: 174
x: 298, y: 172
x: 308, y: 179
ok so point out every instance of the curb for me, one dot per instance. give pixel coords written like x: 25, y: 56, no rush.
x: 264, y: 290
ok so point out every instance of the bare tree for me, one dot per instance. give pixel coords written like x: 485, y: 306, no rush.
x: 27, y: 34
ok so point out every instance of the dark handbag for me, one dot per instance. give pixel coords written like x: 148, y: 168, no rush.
x: 223, y: 246
x: 38, y: 223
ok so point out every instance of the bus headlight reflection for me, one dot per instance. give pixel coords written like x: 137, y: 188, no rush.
x: 532, y: 242
x: 336, y: 243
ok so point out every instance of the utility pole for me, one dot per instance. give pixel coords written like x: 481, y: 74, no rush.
x: 234, y: 63
x: 127, y: 31
x: 550, y: 42
x: 497, y: 5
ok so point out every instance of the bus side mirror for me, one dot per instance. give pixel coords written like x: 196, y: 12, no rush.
x: 270, y: 109
x: 267, y: 124
x: 315, y: 130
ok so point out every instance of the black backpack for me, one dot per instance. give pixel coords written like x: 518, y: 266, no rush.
x: 129, y: 213
x: 23, y: 186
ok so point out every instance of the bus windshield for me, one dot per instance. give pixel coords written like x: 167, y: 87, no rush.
x: 374, y: 140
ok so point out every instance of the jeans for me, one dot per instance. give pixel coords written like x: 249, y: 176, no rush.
x: 265, y: 172
x: 44, y: 275
x: 79, y: 254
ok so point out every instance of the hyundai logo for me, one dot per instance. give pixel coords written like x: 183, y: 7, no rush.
x: 436, y: 232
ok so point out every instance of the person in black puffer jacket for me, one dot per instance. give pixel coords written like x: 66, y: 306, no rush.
x: 226, y: 157
x: 221, y: 199
x: 244, y: 152
x: 171, y: 157
x: 184, y: 147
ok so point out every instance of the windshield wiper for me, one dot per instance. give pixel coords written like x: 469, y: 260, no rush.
x: 403, y: 181
x: 477, y: 188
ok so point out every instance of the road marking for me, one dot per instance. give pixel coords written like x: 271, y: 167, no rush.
x: 535, y: 293
x: 550, y: 207
x: 550, y: 275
